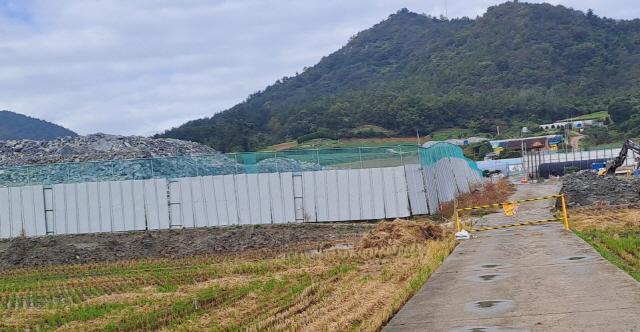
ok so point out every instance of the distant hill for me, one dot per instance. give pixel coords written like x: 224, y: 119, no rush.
x: 517, y: 65
x: 15, y: 126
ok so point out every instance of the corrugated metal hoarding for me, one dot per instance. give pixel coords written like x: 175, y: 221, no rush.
x: 240, y: 199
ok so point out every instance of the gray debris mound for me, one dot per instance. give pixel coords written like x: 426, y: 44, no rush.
x: 271, y: 165
x: 93, y: 148
x: 587, y: 188
x: 102, y: 157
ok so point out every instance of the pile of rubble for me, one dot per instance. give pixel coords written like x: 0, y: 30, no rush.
x: 103, y: 157
x: 587, y: 188
x: 93, y: 148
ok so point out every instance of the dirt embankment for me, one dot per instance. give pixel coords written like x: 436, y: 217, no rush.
x: 252, y: 241
x: 87, y: 248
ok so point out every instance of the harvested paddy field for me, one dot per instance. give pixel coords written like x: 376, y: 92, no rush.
x: 316, y: 287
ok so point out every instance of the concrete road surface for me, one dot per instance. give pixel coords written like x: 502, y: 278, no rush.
x: 533, y: 278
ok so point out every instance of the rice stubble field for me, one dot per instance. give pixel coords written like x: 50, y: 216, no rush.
x: 335, y: 289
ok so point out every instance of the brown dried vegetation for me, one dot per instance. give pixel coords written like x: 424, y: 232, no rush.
x: 605, y: 217
x: 487, y: 193
x: 402, y: 232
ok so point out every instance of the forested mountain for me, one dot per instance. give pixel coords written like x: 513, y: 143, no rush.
x: 15, y: 126
x: 518, y: 64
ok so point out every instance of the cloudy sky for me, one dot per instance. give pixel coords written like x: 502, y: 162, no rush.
x: 142, y: 66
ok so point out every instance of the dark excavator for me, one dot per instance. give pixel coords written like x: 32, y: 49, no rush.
x: 612, y: 165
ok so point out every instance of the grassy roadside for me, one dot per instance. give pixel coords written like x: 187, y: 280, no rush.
x: 357, y: 289
x: 613, y: 232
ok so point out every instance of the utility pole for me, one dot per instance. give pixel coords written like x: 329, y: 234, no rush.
x: 446, y: 14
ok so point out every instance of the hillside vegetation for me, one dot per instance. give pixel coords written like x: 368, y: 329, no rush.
x: 518, y: 64
x: 14, y: 126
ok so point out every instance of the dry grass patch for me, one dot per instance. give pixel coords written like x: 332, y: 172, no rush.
x: 401, y: 232
x: 605, y: 217
x: 487, y: 193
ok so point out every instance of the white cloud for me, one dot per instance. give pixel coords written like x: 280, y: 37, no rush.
x: 138, y: 67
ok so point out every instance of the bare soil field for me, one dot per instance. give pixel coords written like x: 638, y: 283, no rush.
x: 104, y: 247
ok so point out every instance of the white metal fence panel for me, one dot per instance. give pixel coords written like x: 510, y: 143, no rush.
x: 244, y: 201
x: 232, y: 200
x: 298, y: 196
x: 330, y: 195
x: 362, y: 194
x: 309, y: 196
x: 445, y: 181
x: 344, y: 208
x: 22, y: 212
x: 431, y: 189
x: 220, y: 203
x: 5, y: 214
x: 276, y: 199
x: 416, y: 190
x: 322, y: 199
x: 117, y: 209
x: 196, y: 192
x: 460, y: 168
x: 156, y: 203
x: 333, y: 207
x: 48, y: 209
x: 355, y: 202
x: 33, y: 221
x: 377, y: 191
x: 92, y: 202
x: 288, y: 197
x: 366, y: 194
x: 105, y: 209
x: 402, y: 195
x: 84, y: 218
x: 190, y: 202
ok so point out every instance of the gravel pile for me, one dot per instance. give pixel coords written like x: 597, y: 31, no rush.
x: 586, y: 188
x: 271, y: 165
x: 92, y: 148
x: 103, y: 157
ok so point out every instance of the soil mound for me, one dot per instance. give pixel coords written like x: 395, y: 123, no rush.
x: 105, y: 247
x: 401, y: 232
x: 586, y: 188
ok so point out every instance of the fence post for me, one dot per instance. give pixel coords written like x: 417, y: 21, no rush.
x: 360, y: 154
x: 456, y: 216
x: 565, y: 218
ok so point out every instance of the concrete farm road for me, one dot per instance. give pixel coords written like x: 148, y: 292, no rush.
x: 533, y: 278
